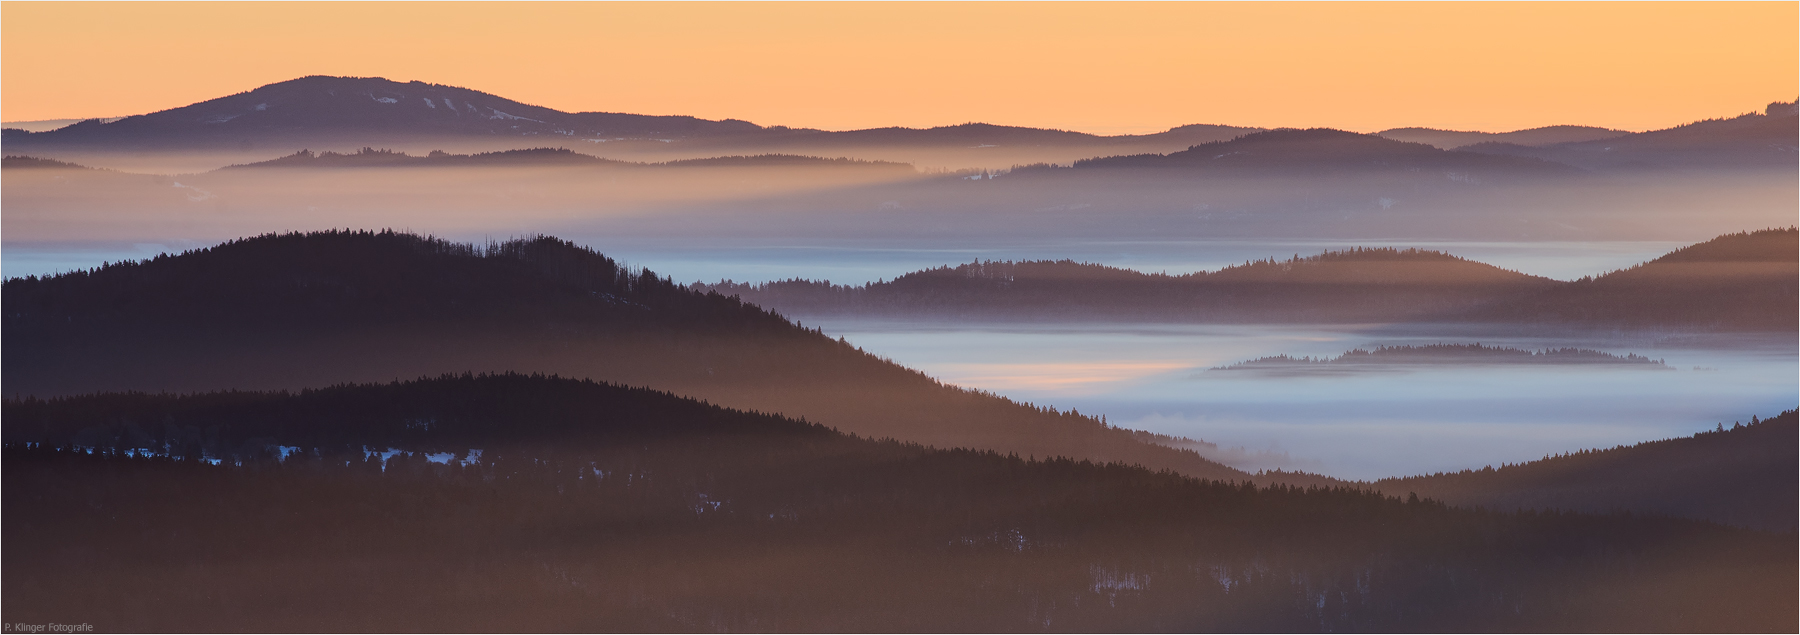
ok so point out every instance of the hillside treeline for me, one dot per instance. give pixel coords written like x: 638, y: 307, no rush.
x: 533, y: 503
x: 1741, y: 475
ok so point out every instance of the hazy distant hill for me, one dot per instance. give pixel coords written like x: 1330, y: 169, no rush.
x: 1756, y: 140
x: 982, y: 134
x: 1736, y: 282
x: 1744, y: 281
x: 1742, y: 475
x: 1358, y: 285
x: 538, y: 157
x: 1325, y: 151
x: 511, y: 502
x: 1547, y: 135
x: 294, y: 311
x: 370, y: 157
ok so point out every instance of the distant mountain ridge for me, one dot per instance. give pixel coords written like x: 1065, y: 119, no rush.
x: 538, y: 157
x: 351, y: 104
x: 1322, y: 150
x: 371, y: 109
x: 343, y: 113
x: 1767, y: 139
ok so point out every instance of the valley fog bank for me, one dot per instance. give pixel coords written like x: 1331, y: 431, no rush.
x: 1363, y: 426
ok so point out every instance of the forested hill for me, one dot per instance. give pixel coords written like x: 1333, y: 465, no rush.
x: 1744, y: 281
x: 1737, y: 282
x: 1355, y: 285
x: 455, y: 414
x: 514, y: 502
x: 1758, y: 140
x: 1326, y: 151
x: 1742, y: 475
x: 308, y: 310
x: 21, y: 162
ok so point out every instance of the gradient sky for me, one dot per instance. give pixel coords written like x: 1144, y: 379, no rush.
x: 1098, y: 67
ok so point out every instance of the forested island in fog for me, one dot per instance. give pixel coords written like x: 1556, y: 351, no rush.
x: 1437, y: 355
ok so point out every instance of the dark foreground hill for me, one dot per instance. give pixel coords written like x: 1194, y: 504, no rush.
x: 515, y: 503
x: 308, y: 310
x: 1737, y: 282
x: 1742, y: 475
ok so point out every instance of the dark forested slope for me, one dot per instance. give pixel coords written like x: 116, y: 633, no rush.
x: 1743, y: 475
x: 536, y: 504
x: 302, y: 310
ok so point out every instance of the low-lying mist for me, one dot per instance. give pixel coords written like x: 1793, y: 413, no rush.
x: 1356, y: 425
x: 859, y: 222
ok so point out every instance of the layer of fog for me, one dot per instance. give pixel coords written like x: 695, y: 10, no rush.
x: 1361, y: 426
x: 853, y: 224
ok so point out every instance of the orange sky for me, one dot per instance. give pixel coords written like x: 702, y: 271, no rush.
x: 1097, y: 67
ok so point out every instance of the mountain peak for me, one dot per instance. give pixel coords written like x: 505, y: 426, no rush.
x: 322, y: 109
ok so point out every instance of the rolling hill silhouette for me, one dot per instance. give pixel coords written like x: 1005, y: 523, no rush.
x: 1739, y: 282
x: 308, y: 310
x: 1323, y: 150
x: 1357, y: 285
x: 1756, y: 140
